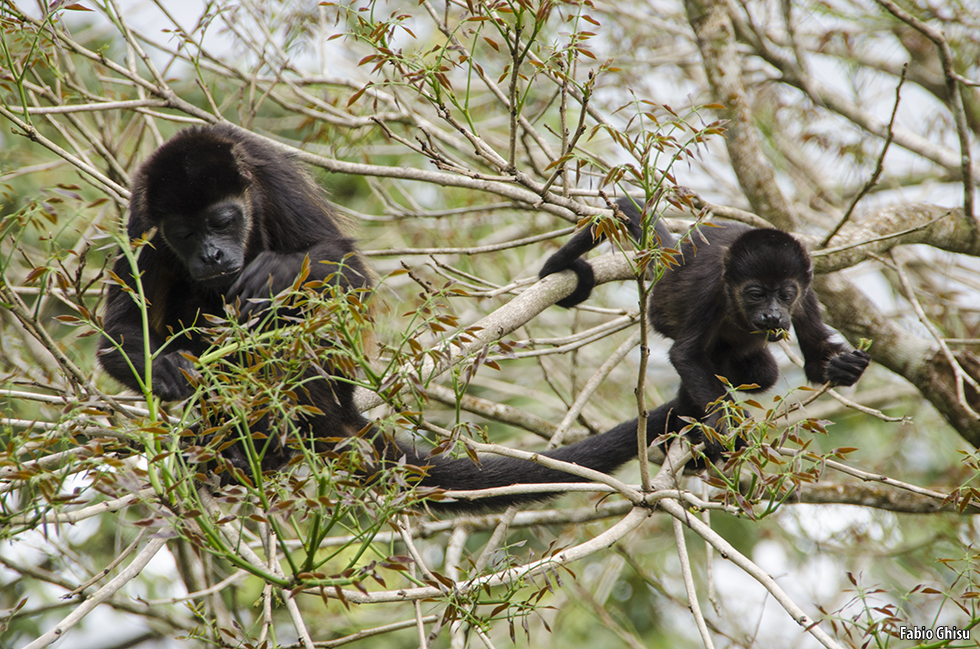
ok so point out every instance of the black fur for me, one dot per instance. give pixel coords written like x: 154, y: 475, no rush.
x: 569, y: 256
x: 727, y: 301
x: 279, y: 217
x: 737, y: 289
x: 235, y: 219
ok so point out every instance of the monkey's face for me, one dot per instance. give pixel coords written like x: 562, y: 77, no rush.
x: 767, y: 308
x: 211, y: 242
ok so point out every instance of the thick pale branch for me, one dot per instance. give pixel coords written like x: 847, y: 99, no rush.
x: 723, y: 66
x: 940, y: 227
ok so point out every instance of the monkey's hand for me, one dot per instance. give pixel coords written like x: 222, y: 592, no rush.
x: 267, y: 275
x: 169, y: 383
x: 846, y: 368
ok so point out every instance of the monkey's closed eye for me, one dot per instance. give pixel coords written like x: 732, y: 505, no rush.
x: 224, y: 219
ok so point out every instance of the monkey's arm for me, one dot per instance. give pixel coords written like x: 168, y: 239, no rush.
x: 272, y: 271
x: 122, y: 350
x: 691, y: 357
x: 824, y: 361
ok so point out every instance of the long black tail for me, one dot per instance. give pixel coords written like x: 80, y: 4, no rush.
x: 605, y: 452
x: 569, y: 256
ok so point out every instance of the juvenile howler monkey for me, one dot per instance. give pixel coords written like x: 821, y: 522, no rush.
x: 736, y: 289
x: 235, y: 218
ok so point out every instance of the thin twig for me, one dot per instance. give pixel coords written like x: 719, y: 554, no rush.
x: 955, y: 96
x: 729, y: 552
x: 868, y: 476
x: 692, y: 593
x: 962, y: 377
x: 585, y: 395
x: 879, y: 165
x: 124, y: 577
x: 109, y: 568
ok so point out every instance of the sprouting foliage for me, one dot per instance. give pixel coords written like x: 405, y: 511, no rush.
x: 461, y: 139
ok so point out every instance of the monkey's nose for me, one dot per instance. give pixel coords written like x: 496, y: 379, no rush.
x: 215, y: 255
x: 770, y: 320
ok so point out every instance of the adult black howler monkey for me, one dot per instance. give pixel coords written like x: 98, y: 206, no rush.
x: 736, y: 289
x: 232, y: 220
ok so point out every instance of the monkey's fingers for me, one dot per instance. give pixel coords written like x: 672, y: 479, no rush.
x: 169, y: 382
x: 845, y: 369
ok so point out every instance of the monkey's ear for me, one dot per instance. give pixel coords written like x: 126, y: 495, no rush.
x: 243, y: 162
x: 726, y: 263
x: 809, y: 260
